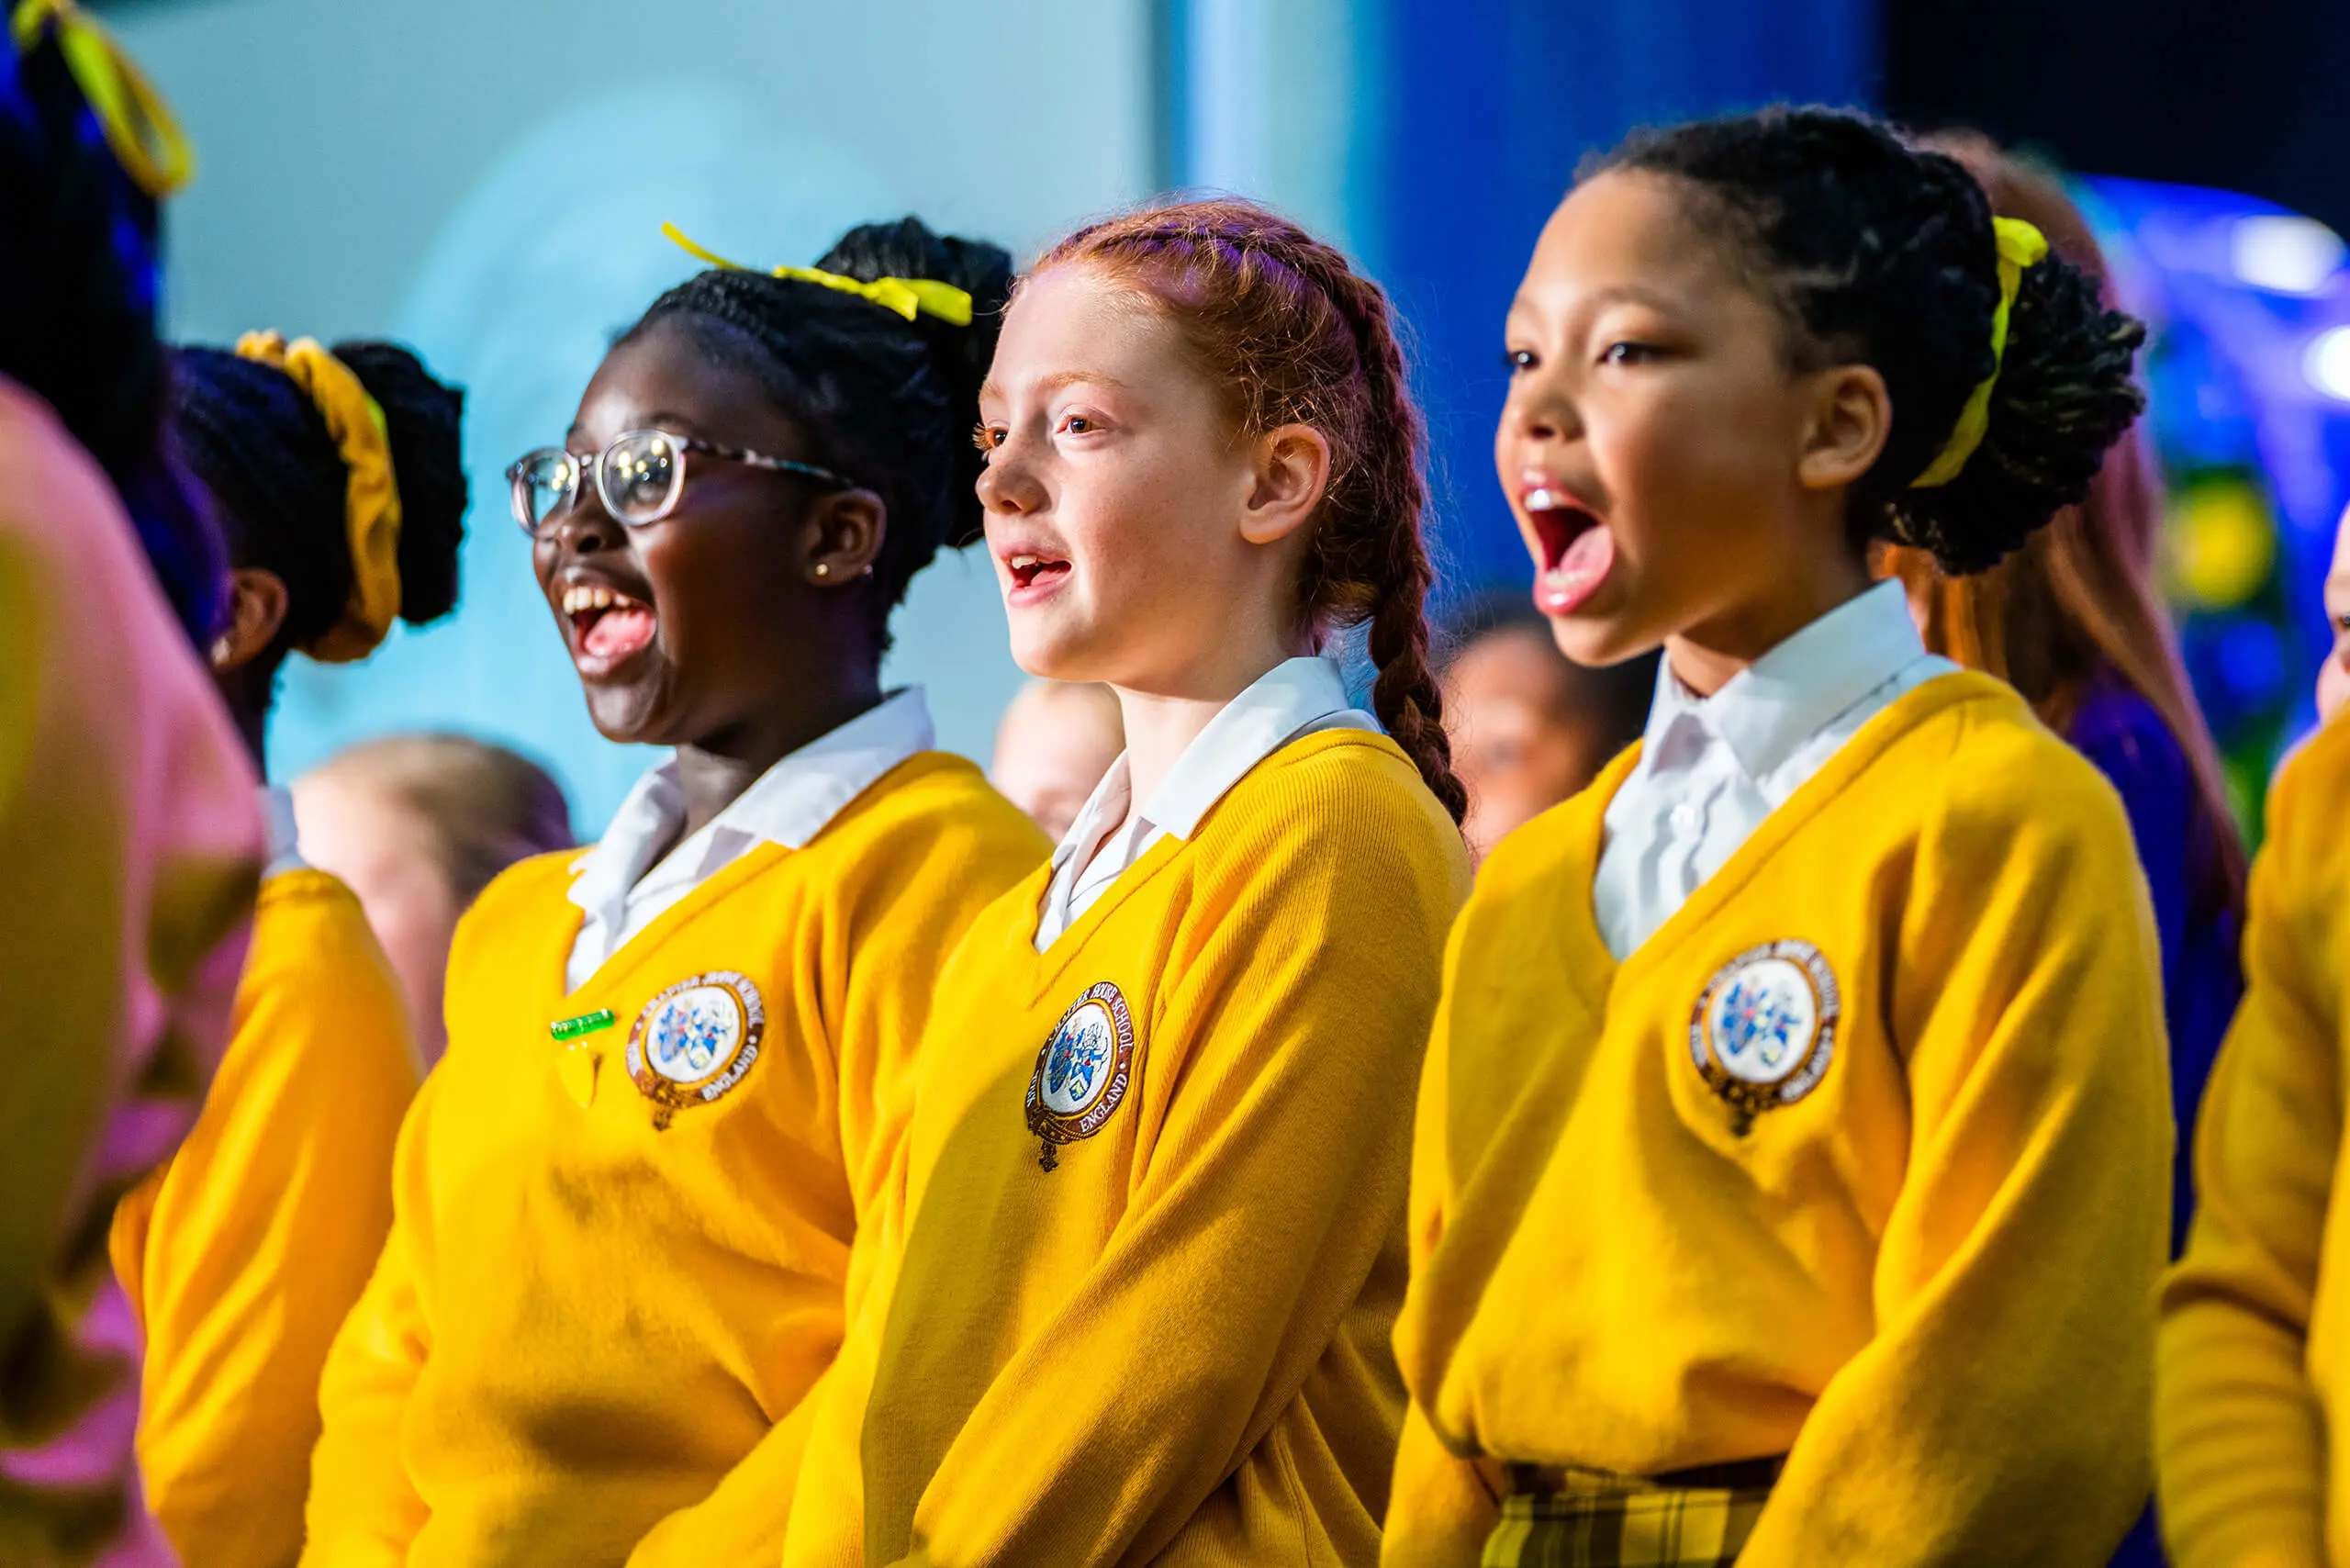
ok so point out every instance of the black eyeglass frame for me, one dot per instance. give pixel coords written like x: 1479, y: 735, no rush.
x: 595, y: 470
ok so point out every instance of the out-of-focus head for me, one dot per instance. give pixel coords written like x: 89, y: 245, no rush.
x: 1056, y: 740
x: 2333, y: 680
x: 416, y: 825
x: 80, y: 251
x: 1529, y: 727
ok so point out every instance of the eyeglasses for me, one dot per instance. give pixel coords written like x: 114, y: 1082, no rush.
x: 638, y: 478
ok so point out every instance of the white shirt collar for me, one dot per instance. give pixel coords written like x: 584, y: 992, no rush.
x: 285, y: 837
x: 1767, y: 711
x: 1288, y: 697
x: 788, y: 804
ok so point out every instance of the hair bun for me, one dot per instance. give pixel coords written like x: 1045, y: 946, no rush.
x: 422, y: 418
x: 909, y: 248
x: 2065, y: 395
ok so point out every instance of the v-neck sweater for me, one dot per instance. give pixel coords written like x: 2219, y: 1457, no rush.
x: 604, y: 1287
x: 1920, y: 1267
x: 1135, y: 1305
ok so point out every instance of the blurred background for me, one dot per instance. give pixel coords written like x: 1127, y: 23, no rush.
x: 486, y: 179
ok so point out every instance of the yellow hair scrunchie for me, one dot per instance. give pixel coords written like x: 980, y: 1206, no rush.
x: 146, y: 138
x: 909, y: 296
x: 372, y: 503
x: 2021, y: 247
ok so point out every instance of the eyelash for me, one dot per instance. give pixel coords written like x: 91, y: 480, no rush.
x: 1516, y: 360
x: 986, y: 438
x: 1631, y: 354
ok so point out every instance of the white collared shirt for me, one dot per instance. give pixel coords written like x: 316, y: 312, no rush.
x: 1294, y: 698
x: 285, y: 843
x: 1712, y: 767
x: 621, y: 888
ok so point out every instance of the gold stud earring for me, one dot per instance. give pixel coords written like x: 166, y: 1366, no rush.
x: 823, y: 568
x: 219, y: 652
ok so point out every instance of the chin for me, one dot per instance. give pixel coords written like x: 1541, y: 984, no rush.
x: 1596, y: 642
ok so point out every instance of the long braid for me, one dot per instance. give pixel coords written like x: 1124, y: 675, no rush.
x: 1298, y: 337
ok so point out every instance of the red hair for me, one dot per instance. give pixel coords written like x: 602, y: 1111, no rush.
x: 1296, y: 336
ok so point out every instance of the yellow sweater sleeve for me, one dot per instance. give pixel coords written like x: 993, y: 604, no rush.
x: 242, y: 1257
x: 1441, y: 1508
x: 2240, y: 1442
x: 889, y: 945
x: 362, y: 1510
x: 2022, y: 1251
x: 1274, y: 1184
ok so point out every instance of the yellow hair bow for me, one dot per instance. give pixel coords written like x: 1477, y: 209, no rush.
x: 372, y: 503
x: 2020, y: 247
x: 139, y: 126
x: 909, y: 296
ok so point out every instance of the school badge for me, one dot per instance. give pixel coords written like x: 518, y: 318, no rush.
x: 1084, y: 1071
x: 693, y: 1043
x: 1764, y: 1030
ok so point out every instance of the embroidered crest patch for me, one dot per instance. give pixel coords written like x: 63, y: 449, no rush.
x: 693, y: 1043
x: 1082, y: 1072
x: 1763, y: 1030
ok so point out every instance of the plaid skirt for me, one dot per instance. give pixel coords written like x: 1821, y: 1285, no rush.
x: 1591, y: 1518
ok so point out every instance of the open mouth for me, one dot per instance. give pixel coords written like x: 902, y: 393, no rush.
x: 1035, y: 574
x: 608, y: 627
x: 1577, y: 550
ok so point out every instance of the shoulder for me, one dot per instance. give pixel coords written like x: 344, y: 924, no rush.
x: 935, y: 814
x: 1998, y: 790
x: 2308, y: 804
x: 525, y: 888
x: 1350, y: 798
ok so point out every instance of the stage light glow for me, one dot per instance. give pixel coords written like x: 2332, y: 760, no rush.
x: 2286, y: 253
x: 2326, y: 363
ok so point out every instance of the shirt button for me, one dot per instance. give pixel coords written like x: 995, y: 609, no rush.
x: 1685, y: 819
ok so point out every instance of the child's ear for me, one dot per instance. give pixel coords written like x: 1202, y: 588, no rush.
x: 1292, y: 473
x: 257, y: 604
x: 845, y: 531
x: 1850, y: 416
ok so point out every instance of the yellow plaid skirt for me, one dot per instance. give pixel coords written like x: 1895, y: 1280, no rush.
x: 1591, y: 1518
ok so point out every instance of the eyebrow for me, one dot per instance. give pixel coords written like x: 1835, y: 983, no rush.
x: 1622, y: 294
x: 1053, y: 383
x: 659, y: 418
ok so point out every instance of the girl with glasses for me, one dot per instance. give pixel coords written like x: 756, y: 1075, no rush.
x: 625, y: 1200
x: 337, y: 480
x: 1132, y: 1299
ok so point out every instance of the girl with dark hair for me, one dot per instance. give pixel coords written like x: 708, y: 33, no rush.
x: 337, y: 480
x: 127, y: 815
x: 625, y: 1199
x: 1135, y: 1287
x: 1792, y: 1170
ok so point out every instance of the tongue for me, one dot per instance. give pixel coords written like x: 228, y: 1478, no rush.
x: 619, y: 632
x: 1592, y: 554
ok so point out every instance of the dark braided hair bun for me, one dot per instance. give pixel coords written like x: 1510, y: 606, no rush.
x: 257, y: 443
x: 886, y: 401
x: 1879, y: 253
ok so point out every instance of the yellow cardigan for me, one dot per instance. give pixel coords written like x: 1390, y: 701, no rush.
x: 242, y: 1256
x: 1861, y: 1159
x: 2251, y: 1398
x: 623, y: 1215
x: 1155, y: 1182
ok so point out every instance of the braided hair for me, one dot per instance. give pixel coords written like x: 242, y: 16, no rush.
x: 258, y: 445
x: 80, y: 248
x: 1299, y: 337
x: 881, y: 399
x: 1879, y: 253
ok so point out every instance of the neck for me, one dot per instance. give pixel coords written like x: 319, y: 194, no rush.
x: 1161, y: 721
x: 1706, y: 656
x: 714, y: 771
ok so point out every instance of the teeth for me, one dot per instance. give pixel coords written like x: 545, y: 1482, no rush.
x: 581, y: 598
x: 1543, y: 499
x: 1022, y: 563
x: 1560, y: 577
